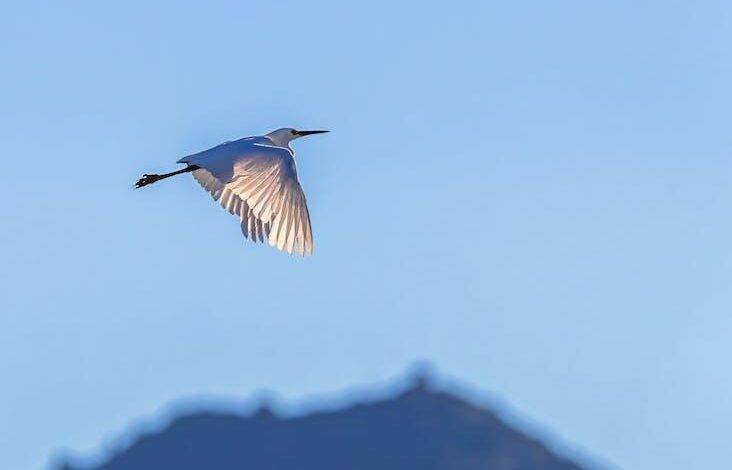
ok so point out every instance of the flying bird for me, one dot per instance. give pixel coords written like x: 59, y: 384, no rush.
x: 255, y: 178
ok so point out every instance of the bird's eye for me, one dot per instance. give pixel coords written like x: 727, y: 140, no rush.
x: 293, y: 132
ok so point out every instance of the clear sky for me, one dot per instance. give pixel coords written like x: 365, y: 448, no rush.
x: 533, y: 195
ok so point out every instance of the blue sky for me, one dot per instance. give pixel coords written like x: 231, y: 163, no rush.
x: 533, y: 195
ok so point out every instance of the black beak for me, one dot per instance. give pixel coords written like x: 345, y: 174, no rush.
x: 304, y: 133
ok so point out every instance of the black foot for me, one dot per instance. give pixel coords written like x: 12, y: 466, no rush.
x: 146, y: 179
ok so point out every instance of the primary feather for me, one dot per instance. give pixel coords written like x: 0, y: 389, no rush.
x: 256, y: 180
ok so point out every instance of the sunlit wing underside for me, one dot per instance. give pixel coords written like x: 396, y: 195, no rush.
x: 266, y: 195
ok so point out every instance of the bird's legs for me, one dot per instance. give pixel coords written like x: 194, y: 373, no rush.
x: 150, y: 179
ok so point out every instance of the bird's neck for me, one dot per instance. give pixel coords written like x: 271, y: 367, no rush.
x: 279, y: 142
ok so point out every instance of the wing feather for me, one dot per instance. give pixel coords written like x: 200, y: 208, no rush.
x: 264, y: 192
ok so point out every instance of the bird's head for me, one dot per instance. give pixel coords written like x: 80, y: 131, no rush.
x: 284, y: 136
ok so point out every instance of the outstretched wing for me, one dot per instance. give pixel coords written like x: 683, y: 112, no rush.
x: 263, y: 190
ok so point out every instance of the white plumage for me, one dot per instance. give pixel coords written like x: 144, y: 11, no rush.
x: 255, y: 178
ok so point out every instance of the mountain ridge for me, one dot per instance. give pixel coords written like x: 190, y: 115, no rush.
x: 421, y: 428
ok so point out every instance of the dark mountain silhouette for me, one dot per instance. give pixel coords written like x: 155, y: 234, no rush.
x: 418, y: 429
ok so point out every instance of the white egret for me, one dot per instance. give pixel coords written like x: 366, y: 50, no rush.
x: 255, y: 178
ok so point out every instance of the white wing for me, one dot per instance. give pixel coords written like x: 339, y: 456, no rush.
x: 261, y: 187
